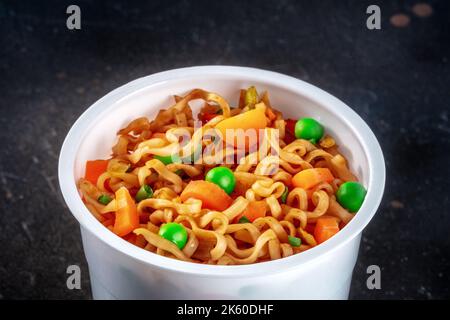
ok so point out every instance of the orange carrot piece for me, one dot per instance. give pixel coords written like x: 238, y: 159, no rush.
x: 94, y: 169
x: 325, y: 229
x: 212, y: 196
x: 310, y: 177
x: 254, y: 210
x: 127, y: 218
x: 252, y: 119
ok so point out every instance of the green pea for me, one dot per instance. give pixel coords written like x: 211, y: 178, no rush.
x: 104, y: 199
x: 223, y: 177
x: 351, y: 195
x: 294, y: 241
x: 168, y: 159
x: 175, y: 233
x: 144, y: 192
x: 309, y: 129
x: 284, y: 195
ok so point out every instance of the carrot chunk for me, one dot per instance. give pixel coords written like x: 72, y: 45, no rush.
x: 253, y: 119
x: 254, y: 210
x: 325, y: 229
x: 127, y: 218
x: 311, y: 177
x: 212, y: 196
x: 94, y: 169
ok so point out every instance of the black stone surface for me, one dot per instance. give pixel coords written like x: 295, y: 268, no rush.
x: 397, y: 79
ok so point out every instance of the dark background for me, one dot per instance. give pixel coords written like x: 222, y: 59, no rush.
x: 397, y: 79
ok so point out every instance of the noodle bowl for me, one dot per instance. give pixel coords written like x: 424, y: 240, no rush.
x: 218, y: 236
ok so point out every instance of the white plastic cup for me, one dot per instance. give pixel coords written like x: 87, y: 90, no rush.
x: 120, y: 270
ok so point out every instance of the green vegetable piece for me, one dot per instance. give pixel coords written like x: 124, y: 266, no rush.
x: 244, y: 219
x: 351, y: 195
x: 284, y: 195
x: 251, y: 96
x: 223, y: 177
x: 168, y: 159
x: 175, y: 233
x: 104, y: 199
x: 294, y: 241
x: 144, y: 192
x: 309, y: 129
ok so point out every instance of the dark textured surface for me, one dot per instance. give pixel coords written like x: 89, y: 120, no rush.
x: 397, y: 79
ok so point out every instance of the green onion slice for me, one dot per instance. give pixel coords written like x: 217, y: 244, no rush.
x: 144, y: 192
x: 104, y: 199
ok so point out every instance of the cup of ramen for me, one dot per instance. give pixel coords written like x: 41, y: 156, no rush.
x: 119, y: 269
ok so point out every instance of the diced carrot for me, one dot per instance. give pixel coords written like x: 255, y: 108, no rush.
x: 127, y: 218
x: 94, y: 169
x: 254, y: 210
x: 325, y: 229
x: 253, y: 119
x: 212, y: 196
x: 310, y: 177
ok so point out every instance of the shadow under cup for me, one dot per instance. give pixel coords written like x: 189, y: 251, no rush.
x: 121, y: 270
